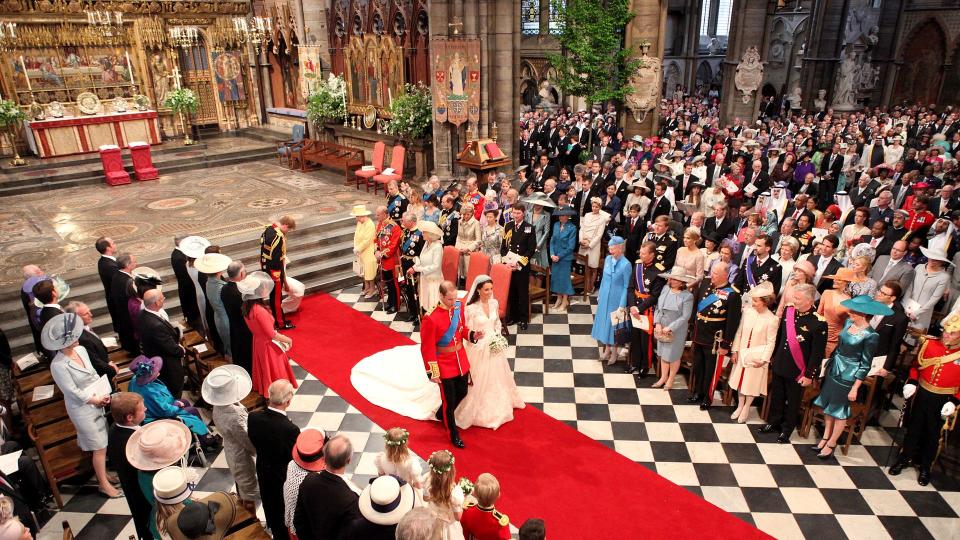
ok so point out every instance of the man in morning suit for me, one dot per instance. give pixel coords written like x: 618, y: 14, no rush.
x: 520, y: 239
x: 719, y: 224
x: 759, y: 267
x: 825, y: 263
x: 89, y: 340
x: 894, y: 267
x: 642, y: 296
x: 877, y: 238
x: 107, y: 268
x: 186, y: 290
x: 441, y: 345
x: 121, y: 289
x: 128, y: 413
x: 328, y: 503
x: 46, y: 293
x: 273, y: 436
x: 158, y: 337
x: 891, y: 329
x: 660, y: 205
x: 273, y: 261
x: 717, y: 319
x: 241, y: 340
x: 799, y: 350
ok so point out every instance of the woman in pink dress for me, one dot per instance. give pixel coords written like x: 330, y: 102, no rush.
x: 269, y: 359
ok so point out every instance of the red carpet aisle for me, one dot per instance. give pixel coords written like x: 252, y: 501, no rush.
x: 582, y: 489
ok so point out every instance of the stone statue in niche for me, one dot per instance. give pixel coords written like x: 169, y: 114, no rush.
x: 795, y: 98
x: 749, y: 74
x: 546, y: 99
x: 821, y: 102
x: 161, y: 77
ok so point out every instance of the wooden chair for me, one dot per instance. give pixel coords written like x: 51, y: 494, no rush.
x: 580, y: 280
x: 538, y: 293
x: 285, y: 149
x: 479, y: 264
x: 366, y: 176
x: 451, y: 263
x: 61, y: 460
x: 501, y: 275
x: 396, y: 163
x: 810, y: 393
x: 859, y: 412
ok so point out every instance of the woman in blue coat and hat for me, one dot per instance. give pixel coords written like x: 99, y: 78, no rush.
x: 563, y: 244
x: 612, y: 297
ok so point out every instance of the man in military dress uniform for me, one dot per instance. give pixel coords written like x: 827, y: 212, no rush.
x: 759, y: 267
x: 642, y: 295
x: 449, y: 220
x: 520, y: 240
x: 718, y: 316
x: 441, y: 345
x: 937, y: 372
x: 473, y: 197
x: 411, y: 243
x: 273, y: 261
x: 665, y: 241
x: 481, y: 520
x: 396, y: 202
x: 388, y: 240
x: 797, y: 355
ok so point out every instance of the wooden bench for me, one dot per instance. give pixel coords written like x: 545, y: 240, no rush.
x: 61, y: 460
x: 331, y: 155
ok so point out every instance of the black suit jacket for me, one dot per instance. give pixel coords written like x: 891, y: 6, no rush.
x: 725, y: 229
x: 634, y: 237
x: 658, y: 208
x: 882, y: 248
x: 160, y: 338
x: 21, y: 508
x: 891, y: 329
x: 326, y: 507
x: 99, y: 356
x: 834, y: 169
x: 770, y: 268
x: 812, y: 346
x: 274, y: 436
x: 127, y: 473
x: 47, y: 313
x: 241, y: 340
x: 107, y: 268
x: 185, y: 288
x: 935, y: 205
x: 679, y: 192
x: 831, y: 269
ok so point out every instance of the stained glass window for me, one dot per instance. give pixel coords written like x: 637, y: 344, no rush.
x: 556, y: 23
x: 530, y: 17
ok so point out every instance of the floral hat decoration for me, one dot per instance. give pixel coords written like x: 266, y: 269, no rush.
x: 441, y: 469
x: 405, y: 435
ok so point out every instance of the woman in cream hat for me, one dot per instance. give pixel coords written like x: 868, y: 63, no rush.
x: 213, y: 265
x: 154, y: 446
x: 194, y: 247
x: 269, y: 360
x: 84, y: 399
x: 752, y: 348
x: 592, y: 226
x: 224, y: 388
x: 363, y: 249
x: 172, y: 491
x: 429, y: 265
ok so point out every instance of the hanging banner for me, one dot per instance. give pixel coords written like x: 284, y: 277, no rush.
x: 229, y: 75
x: 456, y: 80
x: 310, y: 70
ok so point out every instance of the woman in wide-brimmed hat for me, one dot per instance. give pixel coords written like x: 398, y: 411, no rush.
x: 430, y: 265
x: 670, y: 318
x: 194, y: 247
x: 213, y: 265
x: 224, y: 388
x: 207, y: 519
x: 563, y: 247
x: 76, y: 378
x: 152, y: 447
x: 930, y: 280
x: 752, y: 348
x: 383, y: 504
x: 363, y: 248
x: 172, y: 492
x: 307, y: 458
x: 831, y: 306
x: 847, y: 368
x: 269, y: 359
x: 539, y: 217
x: 160, y: 403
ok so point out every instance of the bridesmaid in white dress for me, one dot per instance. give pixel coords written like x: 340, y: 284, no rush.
x: 494, y: 395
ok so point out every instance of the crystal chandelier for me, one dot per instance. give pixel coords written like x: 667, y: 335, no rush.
x: 184, y: 36
x: 107, y: 23
x: 255, y: 30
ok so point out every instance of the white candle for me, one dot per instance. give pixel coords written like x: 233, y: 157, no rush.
x: 25, y: 74
x: 130, y: 67
x: 390, y: 97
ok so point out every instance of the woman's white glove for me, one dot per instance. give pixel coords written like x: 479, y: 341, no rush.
x: 948, y: 409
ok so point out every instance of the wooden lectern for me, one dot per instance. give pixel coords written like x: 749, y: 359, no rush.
x: 481, y: 155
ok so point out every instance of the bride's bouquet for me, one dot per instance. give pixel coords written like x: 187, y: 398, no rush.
x: 498, y: 343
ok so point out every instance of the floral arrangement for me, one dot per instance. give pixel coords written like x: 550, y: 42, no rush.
x: 182, y: 100
x: 10, y: 113
x: 399, y: 442
x: 327, y: 101
x: 465, y: 485
x: 412, y: 113
x: 498, y: 343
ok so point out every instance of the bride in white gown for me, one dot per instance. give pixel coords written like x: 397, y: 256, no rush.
x: 395, y: 379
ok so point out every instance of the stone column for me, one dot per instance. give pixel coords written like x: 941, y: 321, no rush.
x: 314, y: 29
x: 649, y: 24
x: 747, y: 29
x: 442, y: 158
x: 505, y: 23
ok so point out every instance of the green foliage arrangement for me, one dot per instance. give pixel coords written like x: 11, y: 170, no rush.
x: 10, y: 113
x: 412, y: 113
x: 593, y: 63
x: 181, y: 100
x: 325, y: 103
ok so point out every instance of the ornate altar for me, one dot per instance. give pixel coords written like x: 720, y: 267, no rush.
x: 83, y: 134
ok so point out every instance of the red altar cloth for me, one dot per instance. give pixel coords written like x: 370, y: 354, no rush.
x: 83, y: 134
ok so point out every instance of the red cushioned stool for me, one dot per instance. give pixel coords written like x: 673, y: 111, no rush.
x: 113, y: 165
x: 142, y: 161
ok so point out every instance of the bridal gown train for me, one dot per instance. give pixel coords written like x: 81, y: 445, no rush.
x: 395, y: 379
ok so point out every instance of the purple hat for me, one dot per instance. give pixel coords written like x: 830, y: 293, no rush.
x: 146, y: 370
x: 31, y: 281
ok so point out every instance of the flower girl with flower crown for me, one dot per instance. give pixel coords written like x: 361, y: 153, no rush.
x: 396, y: 459
x: 494, y: 395
x: 443, y: 496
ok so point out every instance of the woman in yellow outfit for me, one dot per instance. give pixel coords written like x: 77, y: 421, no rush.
x: 363, y: 247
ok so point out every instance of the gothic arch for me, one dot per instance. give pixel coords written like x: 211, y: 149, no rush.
x: 922, y: 57
x: 672, y: 77
x: 704, y: 74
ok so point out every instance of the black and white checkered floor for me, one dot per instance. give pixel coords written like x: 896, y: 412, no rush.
x: 783, y: 490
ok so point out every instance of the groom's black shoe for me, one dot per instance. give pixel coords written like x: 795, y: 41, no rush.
x: 439, y: 414
x: 455, y: 440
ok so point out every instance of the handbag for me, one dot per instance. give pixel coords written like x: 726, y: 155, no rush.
x: 662, y: 335
x: 358, y: 267
x: 621, y: 327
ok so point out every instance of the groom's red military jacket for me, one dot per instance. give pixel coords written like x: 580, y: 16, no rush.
x: 442, y: 334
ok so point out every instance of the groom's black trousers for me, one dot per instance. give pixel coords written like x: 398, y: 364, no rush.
x: 454, y: 390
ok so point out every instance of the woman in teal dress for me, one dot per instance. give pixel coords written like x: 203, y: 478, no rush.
x: 847, y: 368
x: 612, y: 296
x: 563, y: 242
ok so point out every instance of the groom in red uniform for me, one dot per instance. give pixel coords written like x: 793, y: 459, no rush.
x: 441, y: 345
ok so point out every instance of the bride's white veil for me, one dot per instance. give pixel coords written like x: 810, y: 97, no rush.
x: 477, y: 282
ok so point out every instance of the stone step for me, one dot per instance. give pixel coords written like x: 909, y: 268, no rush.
x: 321, y: 258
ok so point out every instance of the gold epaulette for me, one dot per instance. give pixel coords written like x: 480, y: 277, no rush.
x: 502, y: 519
x: 524, y: 260
x: 820, y: 317
x: 469, y: 504
x: 660, y: 267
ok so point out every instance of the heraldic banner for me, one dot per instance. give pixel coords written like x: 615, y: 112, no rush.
x: 456, y: 80
x: 310, y: 72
